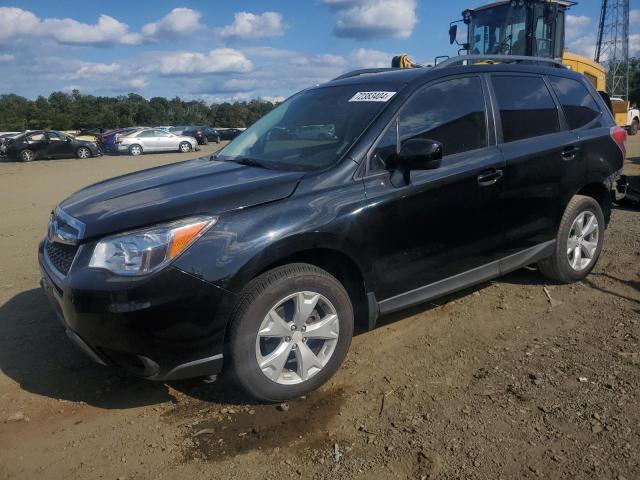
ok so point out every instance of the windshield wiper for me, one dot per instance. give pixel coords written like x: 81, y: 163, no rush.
x: 251, y: 162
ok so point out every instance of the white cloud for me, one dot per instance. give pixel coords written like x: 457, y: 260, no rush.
x: 248, y: 26
x: 216, y: 61
x: 108, y: 31
x: 7, y: 57
x: 180, y: 21
x: 15, y: 22
x: 634, y: 44
x: 18, y: 24
x: 95, y: 70
x: 367, y: 58
x: 634, y: 18
x: 575, y: 26
x: 371, y: 19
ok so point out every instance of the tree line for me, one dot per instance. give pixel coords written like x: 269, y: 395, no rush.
x: 64, y: 111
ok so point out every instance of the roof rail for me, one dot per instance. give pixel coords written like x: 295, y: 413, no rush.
x: 473, y: 59
x: 363, y: 71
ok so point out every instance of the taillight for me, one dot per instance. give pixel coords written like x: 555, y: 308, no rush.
x: 619, y: 135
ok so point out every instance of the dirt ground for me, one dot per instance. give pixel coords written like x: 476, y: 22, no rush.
x: 499, y: 381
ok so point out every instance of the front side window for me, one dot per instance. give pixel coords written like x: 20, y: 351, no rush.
x: 451, y: 112
x: 526, y: 107
x: 311, y: 130
x: 579, y: 106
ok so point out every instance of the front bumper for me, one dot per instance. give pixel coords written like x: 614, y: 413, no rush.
x: 168, y: 326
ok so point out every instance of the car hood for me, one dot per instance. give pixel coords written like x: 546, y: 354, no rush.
x: 175, y: 191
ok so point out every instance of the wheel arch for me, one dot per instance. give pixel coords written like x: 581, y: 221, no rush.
x: 601, y: 194
x: 322, y: 251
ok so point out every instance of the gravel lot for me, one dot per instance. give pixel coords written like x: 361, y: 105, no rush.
x: 503, y: 380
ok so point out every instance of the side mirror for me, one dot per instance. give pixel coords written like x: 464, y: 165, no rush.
x: 67, y: 139
x: 453, y: 34
x: 420, y: 154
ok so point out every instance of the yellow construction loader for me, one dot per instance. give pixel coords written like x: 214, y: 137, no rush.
x: 532, y: 28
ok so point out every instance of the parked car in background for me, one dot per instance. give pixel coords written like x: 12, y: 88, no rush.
x: 203, y: 135
x: 108, y: 140
x: 154, y: 140
x: 230, y: 133
x: 177, y: 130
x: 91, y: 134
x: 164, y: 127
x: 4, y: 137
x: 49, y: 144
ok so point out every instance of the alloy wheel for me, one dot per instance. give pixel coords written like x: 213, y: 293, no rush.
x: 27, y: 156
x: 83, y: 153
x: 297, y: 338
x: 583, y: 241
x: 184, y: 148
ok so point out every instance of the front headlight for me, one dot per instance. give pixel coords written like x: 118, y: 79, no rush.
x: 146, y: 251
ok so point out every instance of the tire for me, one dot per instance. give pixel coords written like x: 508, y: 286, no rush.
x: 253, y: 313
x: 27, y: 155
x: 184, y: 147
x: 83, y: 152
x: 635, y: 125
x: 205, y: 141
x: 217, y: 139
x: 559, y: 267
x: 135, y: 150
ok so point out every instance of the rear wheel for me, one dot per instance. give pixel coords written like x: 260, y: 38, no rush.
x: 289, y: 332
x: 83, y: 152
x: 579, y: 241
x: 635, y: 125
x: 27, y: 155
x: 185, y: 147
x: 135, y: 150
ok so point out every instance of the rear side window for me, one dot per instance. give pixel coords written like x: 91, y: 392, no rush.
x: 451, y: 112
x: 526, y: 107
x: 579, y: 106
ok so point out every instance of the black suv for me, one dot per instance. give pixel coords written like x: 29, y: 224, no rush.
x: 264, y: 256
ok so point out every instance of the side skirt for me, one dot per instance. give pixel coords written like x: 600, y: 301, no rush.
x: 466, y: 279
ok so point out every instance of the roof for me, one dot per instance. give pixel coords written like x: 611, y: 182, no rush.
x: 462, y: 63
x: 563, y: 3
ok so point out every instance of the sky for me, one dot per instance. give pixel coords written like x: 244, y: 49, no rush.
x: 218, y: 50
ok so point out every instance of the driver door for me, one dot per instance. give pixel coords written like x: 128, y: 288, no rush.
x: 60, y: 146
x: 447, y: 220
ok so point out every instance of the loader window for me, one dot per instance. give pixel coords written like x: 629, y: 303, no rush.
x: 579, y: 106
x: 499, y: 30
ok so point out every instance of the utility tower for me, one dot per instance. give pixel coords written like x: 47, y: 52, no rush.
x: 612, y: 49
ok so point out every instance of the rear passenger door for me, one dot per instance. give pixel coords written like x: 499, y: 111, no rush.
x: 447, y: 220
x: 543, y: 158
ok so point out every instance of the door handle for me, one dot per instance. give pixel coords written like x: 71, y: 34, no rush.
x: 569, y: 153
x: 489, y: 177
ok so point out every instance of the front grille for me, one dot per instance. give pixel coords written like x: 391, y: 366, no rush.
x: 61, y: 255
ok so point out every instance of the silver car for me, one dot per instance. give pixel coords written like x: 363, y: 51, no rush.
x: 155, y: 140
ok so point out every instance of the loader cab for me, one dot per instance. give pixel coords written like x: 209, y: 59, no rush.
x: 516, y: 27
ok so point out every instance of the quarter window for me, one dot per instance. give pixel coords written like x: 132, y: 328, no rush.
x: 526, y: 107
x: 579, y: 106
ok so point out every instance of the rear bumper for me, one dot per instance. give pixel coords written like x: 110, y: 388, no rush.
x: 169, y: 326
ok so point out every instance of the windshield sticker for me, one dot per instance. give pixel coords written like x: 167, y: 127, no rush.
x: 372, y: 96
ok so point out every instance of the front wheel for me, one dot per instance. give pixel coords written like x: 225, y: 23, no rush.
x: 83, y: 152
x: 27, y: 155
x: 185, y: 147
x: 289, y: 332
x: 579, y: 242
x: 635, y: 125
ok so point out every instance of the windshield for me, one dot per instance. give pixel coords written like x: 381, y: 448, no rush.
x: 311, y: 130
x: 499, y: 31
